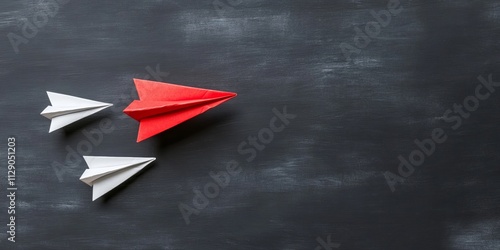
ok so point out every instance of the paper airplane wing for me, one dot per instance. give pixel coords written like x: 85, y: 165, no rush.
x: 153, y: 125
x: 67, y: 109
x: 106, y: 173
x: 160, y: 91
x: 164, y: 105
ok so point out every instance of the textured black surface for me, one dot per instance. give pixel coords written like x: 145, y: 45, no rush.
x: 323, y: 175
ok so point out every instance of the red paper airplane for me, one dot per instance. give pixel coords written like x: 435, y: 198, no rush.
x: 164, y: 105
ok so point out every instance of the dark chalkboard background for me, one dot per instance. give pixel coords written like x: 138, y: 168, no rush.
x: 321, y: 177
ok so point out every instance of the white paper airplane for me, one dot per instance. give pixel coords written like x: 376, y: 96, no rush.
x: 106, y: 173
x: 67, y: 109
